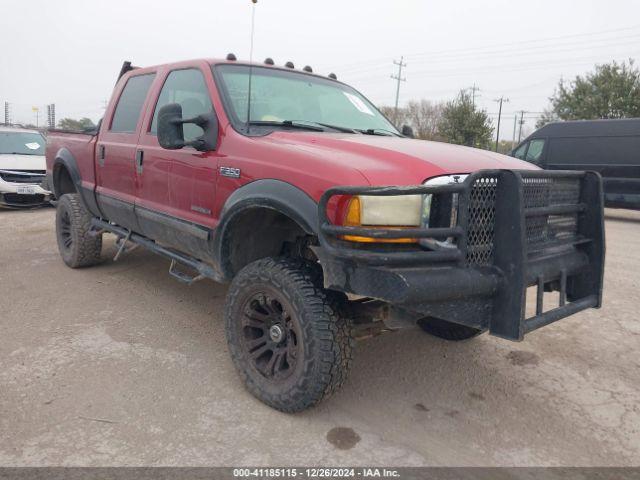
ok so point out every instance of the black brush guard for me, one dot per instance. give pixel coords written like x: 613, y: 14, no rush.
x: 514, y: 229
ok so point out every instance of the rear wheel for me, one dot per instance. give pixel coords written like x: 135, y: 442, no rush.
x: 288, y: 344
x: 77, y: 246
x: 447, y: 330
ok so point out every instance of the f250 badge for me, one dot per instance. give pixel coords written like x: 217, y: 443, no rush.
x: 230, y: 172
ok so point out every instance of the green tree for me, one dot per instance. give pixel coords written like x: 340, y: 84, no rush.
x: 611, y: 91
x: 461, y: 123
x: 72, y: 124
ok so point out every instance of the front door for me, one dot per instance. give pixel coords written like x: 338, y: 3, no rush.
x: 116, y: 151
x: 176, y: 188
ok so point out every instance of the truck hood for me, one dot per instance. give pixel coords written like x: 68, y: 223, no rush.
x: 393, y: 160
x: 22, y: 162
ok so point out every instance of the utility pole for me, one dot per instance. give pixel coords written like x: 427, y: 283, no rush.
x: 7, y: 115
x: 522, y: 112
x: 515, y: 123
x: 399, y: 79
x: 474, y: 89
x: 501, y: 100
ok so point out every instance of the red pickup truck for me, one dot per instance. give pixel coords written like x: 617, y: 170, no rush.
x: 326, y: 220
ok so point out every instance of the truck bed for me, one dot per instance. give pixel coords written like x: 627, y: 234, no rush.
x: 80, y: 145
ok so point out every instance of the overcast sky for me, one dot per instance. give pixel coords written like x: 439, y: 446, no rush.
x: 70, y: 51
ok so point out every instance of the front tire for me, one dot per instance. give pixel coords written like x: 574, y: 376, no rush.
x: 77, y: 246
x: 288, y: 344
x: 447, y: 330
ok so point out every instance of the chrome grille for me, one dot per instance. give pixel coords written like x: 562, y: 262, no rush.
x: 28, y: 176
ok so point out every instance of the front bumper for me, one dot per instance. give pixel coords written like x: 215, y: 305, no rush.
x: 514, y: 230
x: 10, y: 195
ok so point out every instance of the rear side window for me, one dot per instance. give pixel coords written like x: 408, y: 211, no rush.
x: 186, y: 87
x: 125, y: 118
x: 535, y: 151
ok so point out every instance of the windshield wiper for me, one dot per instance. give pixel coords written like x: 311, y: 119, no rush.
x: 305, y: 124
x: 328, y: 125
x: 380, y: 131
x: 287, y: 124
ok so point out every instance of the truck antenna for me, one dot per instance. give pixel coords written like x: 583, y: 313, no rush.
x: 253, y: 24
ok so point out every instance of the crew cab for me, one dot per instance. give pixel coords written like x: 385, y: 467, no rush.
x: 22, y: 168
x: 327, y: 222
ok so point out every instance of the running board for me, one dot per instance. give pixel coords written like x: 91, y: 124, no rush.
x: 204, y: 270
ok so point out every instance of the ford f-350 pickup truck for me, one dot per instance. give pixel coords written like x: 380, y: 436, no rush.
x: 324, y: 218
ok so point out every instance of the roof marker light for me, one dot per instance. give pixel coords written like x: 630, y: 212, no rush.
x: 231, y: 57
x: 333, y: 76
x: 269, y: 61
x: 308, y: 69
x: 289, y: 65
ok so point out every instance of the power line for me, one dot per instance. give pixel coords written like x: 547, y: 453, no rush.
x: 508, y: 68
x: 465, y: 50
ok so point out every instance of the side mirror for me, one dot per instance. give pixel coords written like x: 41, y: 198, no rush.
x: 171, y: 131
x: 407, y: 131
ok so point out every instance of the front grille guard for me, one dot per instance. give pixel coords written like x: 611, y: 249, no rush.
x: 533, y: 227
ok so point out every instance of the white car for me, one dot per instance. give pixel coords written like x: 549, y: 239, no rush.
x: 22, y: 168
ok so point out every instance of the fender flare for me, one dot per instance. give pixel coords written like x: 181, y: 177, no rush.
x: 273, y: 194
x: 64, y: 158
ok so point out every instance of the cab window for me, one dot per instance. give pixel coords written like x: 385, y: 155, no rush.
x: 520, y: 152
x: 125, y: 118
x: 187, y: 88
x: 535, y: 151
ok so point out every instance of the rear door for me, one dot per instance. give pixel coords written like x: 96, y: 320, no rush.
x: 116, y: 151
x: 176, y: 188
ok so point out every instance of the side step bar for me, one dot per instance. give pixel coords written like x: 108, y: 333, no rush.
x: 204, y: 270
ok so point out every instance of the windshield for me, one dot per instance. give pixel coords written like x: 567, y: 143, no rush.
x: 278, y: 96
x: 21, y: 143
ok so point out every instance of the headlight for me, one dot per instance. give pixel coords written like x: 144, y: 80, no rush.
x: 400, y: 211
x: 396, y: 211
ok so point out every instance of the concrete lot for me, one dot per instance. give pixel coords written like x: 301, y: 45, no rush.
x: 121, y: 365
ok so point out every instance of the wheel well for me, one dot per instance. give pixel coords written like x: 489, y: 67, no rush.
x: 258, y: 233
x: 62, y: 182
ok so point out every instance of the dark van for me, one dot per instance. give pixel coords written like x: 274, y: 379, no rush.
x: 610, y: 147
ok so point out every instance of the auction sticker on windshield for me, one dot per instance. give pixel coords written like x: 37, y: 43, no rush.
x: 32, y: 145
x: 359, y: 104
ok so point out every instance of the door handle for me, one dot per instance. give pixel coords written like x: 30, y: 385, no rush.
x: 139, y: 160
x: 101, y: 155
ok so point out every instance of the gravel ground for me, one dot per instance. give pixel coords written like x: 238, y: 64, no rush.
x: 121, y: 365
